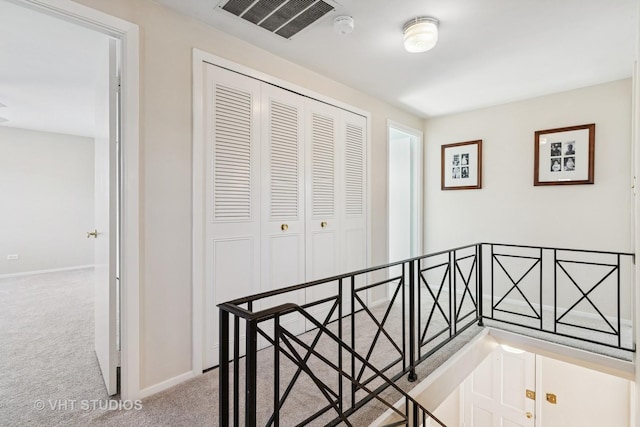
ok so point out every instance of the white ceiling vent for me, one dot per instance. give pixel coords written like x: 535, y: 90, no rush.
x: 285, y: 18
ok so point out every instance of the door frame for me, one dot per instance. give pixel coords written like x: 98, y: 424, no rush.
x: 128, y: 34
x: 419, y: 181
x: 199, y: 60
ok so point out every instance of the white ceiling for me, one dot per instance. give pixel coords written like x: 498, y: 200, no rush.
x: 490, y: 52
x: 48, y: 72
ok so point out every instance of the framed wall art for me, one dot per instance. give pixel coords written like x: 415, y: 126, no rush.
x: 564, y: 156
x: 461, y: 166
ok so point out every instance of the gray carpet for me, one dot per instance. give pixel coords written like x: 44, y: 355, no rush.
x: 47, y: 348
x: 47, y: 354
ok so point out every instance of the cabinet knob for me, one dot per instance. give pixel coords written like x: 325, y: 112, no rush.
x: 529, y: 415
x: 93, y: 234
x: 284, y: 227
x: 323, y: 224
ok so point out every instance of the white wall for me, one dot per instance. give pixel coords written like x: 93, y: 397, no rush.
x: 46, y: 193
x: 449, y: 411
x: 585, y: 398
x: 167, y: 40
x: 509, y: 209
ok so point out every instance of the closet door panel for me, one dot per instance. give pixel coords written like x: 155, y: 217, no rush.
x: 232, y: 164
x: 353, y: 203
x: 322, y: 236
x: 282, y: 228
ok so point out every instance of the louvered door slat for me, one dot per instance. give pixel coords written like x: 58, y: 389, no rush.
x: 284, y: 154
x: 322, y: 169
x: 354, y: 170
x: 232, y: 154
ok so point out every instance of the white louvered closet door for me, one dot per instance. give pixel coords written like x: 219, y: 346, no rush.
x: 353, y: 204
x: 282, y: 228
x: 322, y: 234
x: 232, y: 252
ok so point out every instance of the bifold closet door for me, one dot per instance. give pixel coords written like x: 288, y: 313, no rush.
x: 322, y: 233
x: 353, y: 195
x: 282, y: 183
x: 232, y: 220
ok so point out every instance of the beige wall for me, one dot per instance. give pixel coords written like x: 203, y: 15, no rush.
x: 509, y: 209
x: 167, y: 40
x: 46, y: 183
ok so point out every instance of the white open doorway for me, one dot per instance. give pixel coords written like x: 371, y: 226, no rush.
x: 118, y: 210
x: 404, y: 190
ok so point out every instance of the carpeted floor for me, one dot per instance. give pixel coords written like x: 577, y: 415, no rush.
x: 47, y: 359
x: 46, y: 353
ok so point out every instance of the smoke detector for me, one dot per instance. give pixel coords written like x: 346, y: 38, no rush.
x: 343, y: 25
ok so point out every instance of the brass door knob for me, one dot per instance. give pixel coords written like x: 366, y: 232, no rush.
x: 93, y: 233
x: 529, y: 415
x: 284, y: 227
x: 323, y: 224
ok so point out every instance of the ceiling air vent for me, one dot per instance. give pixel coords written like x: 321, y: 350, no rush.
x: 285, y: 18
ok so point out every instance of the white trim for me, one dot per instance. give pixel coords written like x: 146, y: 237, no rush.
x: 250, y: 72
x: 51, y: 270
x: 550, y: 309
x: 131, y: 232
x: 128, y: 33
x: 164, y: 385
x: 586, y: 359
x: 369, y: 225
x: 198, y: 283
x: 635, y: 128
x: 198, y: 229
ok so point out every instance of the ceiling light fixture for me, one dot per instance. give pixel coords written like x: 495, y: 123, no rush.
x: 420, y: 34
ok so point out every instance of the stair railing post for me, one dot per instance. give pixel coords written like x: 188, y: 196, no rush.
x: 251, y: 373
x: 479, y: 283
x: 223, y: 403
x: 412, y: 322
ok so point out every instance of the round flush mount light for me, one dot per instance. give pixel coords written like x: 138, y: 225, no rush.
x: 343, y: 25
x: 420, y: 34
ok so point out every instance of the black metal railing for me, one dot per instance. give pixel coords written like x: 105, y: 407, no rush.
x: 324, y: 343
x: 334, y: 357
x: 571, y: 293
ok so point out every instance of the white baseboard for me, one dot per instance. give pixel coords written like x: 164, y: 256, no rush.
x: 52, y: 270
x: 549, y: 310
x: 164, y: 385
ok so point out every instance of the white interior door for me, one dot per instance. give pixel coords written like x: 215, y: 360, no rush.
x: 282, y: 228
x: 106, y: 219
x: 232, y: 220
x: 495, y: 393
x: 353, y: 194
x: 322, y: 231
